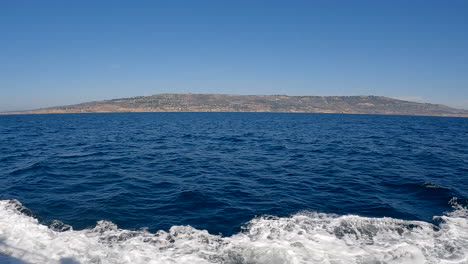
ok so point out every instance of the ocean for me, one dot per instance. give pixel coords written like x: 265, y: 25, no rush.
x: 233, y: 188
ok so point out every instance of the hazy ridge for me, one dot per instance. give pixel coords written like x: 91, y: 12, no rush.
x: 256, y: 103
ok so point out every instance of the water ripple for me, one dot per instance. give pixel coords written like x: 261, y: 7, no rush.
x: 216, y: 171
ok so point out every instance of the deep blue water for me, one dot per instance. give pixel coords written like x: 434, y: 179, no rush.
x: 216, y: 171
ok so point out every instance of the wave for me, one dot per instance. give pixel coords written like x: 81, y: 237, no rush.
x: 306, y: 237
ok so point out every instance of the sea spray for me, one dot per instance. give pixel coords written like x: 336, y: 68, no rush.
x: 306, y: 237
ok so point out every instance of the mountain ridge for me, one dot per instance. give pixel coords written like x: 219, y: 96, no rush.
x: 171, y: 102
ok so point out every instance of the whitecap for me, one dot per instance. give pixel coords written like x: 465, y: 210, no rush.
x: 306, y: 237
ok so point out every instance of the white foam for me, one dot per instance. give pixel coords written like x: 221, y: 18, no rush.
x: 302, y: 238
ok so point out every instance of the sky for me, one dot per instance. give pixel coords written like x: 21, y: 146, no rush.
x: 64, y: 52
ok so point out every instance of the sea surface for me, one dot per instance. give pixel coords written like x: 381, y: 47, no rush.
x: 233, y: 188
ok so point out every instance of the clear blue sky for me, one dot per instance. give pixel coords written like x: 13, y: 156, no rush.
x: 63, y: 52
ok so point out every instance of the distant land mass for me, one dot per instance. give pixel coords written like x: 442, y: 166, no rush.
x: 256, y: 103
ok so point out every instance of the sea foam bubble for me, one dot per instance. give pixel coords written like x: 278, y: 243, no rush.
x: 306, y: 237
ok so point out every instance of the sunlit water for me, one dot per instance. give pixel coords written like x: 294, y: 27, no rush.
x: 233, y: 188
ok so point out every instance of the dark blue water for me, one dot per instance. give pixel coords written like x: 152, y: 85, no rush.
x: 216, y: 171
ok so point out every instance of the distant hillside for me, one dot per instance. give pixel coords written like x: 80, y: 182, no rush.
x: 257, y: 103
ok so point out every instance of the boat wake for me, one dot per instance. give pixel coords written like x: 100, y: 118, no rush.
x: 306, y: 237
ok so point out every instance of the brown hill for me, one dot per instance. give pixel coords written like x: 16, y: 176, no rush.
x: 257, y: 103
